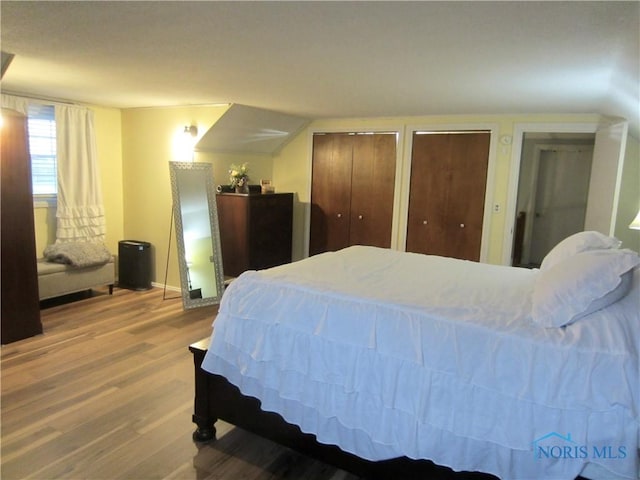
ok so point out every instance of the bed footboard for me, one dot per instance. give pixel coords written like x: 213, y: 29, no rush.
x: 216, y: 398
x: 205, y: 430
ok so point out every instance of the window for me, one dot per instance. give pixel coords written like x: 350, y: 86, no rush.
x: 42, y: 147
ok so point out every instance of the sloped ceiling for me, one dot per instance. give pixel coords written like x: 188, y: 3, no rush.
x: 331, y: 59
x: 250, y: 130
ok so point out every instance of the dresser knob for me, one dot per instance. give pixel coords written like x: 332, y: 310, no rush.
x: 359, y: 217
x: 424, y: 222
x: 339, y: 215
x: 462, y: 225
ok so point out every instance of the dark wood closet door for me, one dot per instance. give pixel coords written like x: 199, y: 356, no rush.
x: 447, y: 189
x: 372, y: 187
x: 330, y: 192
x: 20, y: 300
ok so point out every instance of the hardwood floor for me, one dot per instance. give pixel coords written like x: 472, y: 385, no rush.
x: 107, y: 392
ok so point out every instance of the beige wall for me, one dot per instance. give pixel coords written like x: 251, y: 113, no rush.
x: 260, y: 166
x: 292, y: 166
x: 148, y: 140
x: 292, y: 173
x: 109, y: 143
x: 629, y: 202
x: 44, y: 217
x: 135, y: 146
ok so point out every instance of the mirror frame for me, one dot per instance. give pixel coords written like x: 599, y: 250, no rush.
x: 205, y: 170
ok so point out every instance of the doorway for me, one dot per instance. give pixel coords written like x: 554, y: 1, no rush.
x: 553, y: 186
x: 609, y: 141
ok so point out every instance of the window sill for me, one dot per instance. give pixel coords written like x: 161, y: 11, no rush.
x: 45, y: 201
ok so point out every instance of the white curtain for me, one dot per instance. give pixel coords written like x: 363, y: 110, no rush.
x: 18, y: 104
x: 80, y: 215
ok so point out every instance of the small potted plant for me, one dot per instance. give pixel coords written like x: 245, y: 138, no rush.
x: 239, y: 178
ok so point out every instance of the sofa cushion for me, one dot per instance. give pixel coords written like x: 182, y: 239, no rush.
x: 47, y: 268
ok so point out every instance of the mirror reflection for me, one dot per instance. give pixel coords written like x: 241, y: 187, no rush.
x: 197, y: 234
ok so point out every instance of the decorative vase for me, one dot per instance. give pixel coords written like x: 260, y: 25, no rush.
x: 242, y: 189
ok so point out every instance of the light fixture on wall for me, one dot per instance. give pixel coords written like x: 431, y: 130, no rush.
x: 184, y: 141
x: 635, y: 224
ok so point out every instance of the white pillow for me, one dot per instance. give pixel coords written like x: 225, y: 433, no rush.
x: 576, y: 243
x: 581, y: 284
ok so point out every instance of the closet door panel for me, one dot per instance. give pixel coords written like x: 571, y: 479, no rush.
x: 465, y: 205
x: 428, y: 195
x: 372, y: 188
x: 330, y: 192
x: 447, y: 189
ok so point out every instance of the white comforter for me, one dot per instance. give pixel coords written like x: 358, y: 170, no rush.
x: 391, y: 354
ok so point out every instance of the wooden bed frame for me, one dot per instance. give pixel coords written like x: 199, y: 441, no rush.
x: 217, y: 399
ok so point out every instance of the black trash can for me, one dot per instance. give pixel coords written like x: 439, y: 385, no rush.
x: 134, y: 265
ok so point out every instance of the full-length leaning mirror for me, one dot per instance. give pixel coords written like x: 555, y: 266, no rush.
x: 197, y: 234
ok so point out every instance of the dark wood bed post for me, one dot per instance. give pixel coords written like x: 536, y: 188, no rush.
x: 205, y: 430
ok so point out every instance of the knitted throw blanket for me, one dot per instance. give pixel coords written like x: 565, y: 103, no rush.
x: 78, y: 254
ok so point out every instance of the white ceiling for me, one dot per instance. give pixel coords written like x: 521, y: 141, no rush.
x: 331, y: 59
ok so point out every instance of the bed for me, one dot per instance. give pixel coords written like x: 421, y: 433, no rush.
x: 383, y: 362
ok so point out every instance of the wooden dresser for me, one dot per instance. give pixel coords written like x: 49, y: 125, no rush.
x: 255, y: 230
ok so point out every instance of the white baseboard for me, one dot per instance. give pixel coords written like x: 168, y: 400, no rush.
x: 169, y: 287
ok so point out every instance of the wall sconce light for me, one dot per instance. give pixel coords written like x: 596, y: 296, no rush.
x: 184, y: 141
x: 635, y: 224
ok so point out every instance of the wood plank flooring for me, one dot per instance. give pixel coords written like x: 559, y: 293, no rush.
x: 107, y: 392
